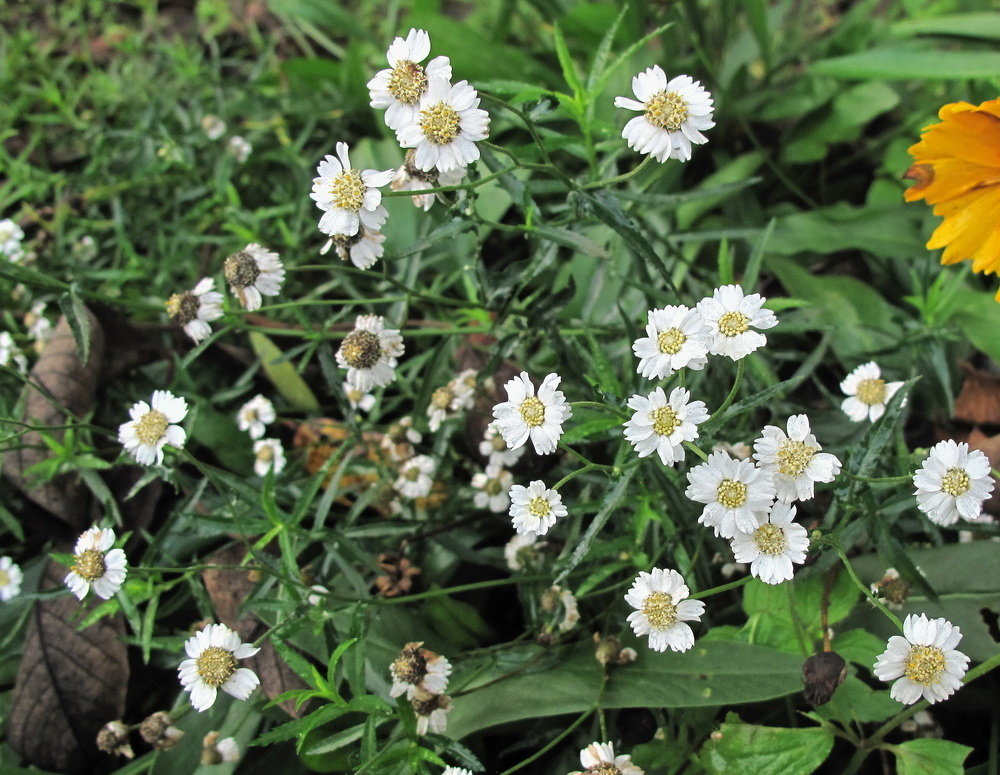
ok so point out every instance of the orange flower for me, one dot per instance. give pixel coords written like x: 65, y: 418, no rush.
x: 957, y: 169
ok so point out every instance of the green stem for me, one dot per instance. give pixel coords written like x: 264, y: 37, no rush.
x: 732, y: 393
x: 721, y: 588
x: 552, y: 743
x: 694, y: 448
x: 880, y: 479
x: 457, y: 187
x: 619, y: 178
x: 867, y: 590
x: 598, y: 405
x: 460, y: 588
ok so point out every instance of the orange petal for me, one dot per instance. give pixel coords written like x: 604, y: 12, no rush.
x: 947, y: 178
x: 972, y: 135
x: 969, y: 221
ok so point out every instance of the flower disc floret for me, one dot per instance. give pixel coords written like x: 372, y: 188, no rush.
x: 923, y: 662
x: 194, y: 309
x: 369, y: 353
x: 253, y: 273
x: 732, y: 491
x: 600, y: 759
x: 10, y: 579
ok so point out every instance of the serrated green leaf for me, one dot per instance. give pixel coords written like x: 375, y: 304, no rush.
x: 930, y: 757
x: 765, y: 750
x: 284, y: 376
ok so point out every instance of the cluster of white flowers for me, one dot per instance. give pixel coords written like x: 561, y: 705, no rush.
x: 422, y: 675
x: 459, y: 395
x: 252, y: 417
x: 10, y: 352
x: 11, y: 236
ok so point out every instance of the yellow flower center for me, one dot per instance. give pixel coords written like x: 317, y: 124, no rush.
x: 604, y: 768
x: 348, y: 190
x: 407, y: 82
x: 770, y: 539
x: 732, y: 494
x: 871, y: 391
x: 492, y: 487
x: 793, y: 457
x: 183, y: 307
x: 241, y: 270
x: 660, y: 610
x: 4, y: 578
x: 498, y: 443
x: 266, y: 454
x: 410, y: 667
x: 361, y: 349
x: 216, y: 666
x: 532, y: 411
x: 664, y: 420
x: 439, y: 123
x: 733, y: 324
x: 956, y: 482
x: 923, y: 664
x: 539, y: 507
x: 441, y: 397
x: 412, y: 474
x: 89, y: 565
x: 667, y: 110
x: 670, y: 341
x: 151, y: 428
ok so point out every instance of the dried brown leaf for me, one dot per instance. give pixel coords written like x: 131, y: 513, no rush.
x: 69, y: 683
x: 229, y: 588
x: 73, y: 385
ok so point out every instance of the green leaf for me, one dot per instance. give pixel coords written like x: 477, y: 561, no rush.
x: 765, y: 750
x: 884, y: 231
x: 79, y: 321
x: 599, y: 65
x: 600, y: 82
x: 964, y: 25
x: 930, y: 757
x: 979, y: 317
x: 905, y: 61
x: 856, y: 700
x: 708, y: 675
x: 569, y: 72
x: 756, y: 11
x: 283, y: 375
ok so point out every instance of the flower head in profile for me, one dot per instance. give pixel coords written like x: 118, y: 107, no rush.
x: 446, y: 128
x: 349, y: 198
x: 358, y: 399
x: 417, y: 669
x: 562, y: 607
x: 409, y: 178
x: 731, y: 316
x: 600, y: 759
x: 663, y: 610
x: 369, y: 353
x: 523, y: 550
x: 9, y: 351
x: 675, y: 337
x: 216, y: 751
x: 773, y: 545
x: 953, y: 482
x: 254, y: 415
x: 732, y: 491
x: 239, y: 148
x: 456, y: 771
x: 363, y: 249
x: 867, y: 393
x: 158, y: 731
x: 673, y: 116
x: 535, y: 508
x: 956, y: 168
x: 431, y: 711
x: 494, y: 488
x: 923, y: 661
x: 527, y: 415
x: 192, y: 310
x: 662, y: 425
x: 212, y: 665
x: 96, y: 565
x: 494, y: 448
x: 416, y: 477
x: 153, y: 426
x: 398, y: 89
x: 252, y: 273
x: 10, y: 579
x: 268, y: 455
x: 794, y: 459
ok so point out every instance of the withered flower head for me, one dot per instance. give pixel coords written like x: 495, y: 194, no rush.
x: 399, y: 575
x: 158, y: 730
x: 822, y: 673
x: 113, y: 739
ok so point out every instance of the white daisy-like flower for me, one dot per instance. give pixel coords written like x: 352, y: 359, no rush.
x: 153, y: 426
x: 526, y: 415
x: 398, y: 89
x: 414, y: 479
x: 924, y: 660
x: 448, y: 124
x: 773, y: 545
x: 363, y: 249
x: 953, y: 482
x: 437, y: 409
x: 662, y: 426
x: 10, y: 579
x: 673, y: 115
x: 213, y: 127
x: 417, y: 669
x: 358, y: 399
x: 9, y: 351
x: 252, y: 273
x: 350, y: 198
x: 494, y: 448
x: 562, y: 603
x: 458, y: 395
x: 733, y: 490
x: 494, y: 487
x: 399, y: 439
x: 39, y: 327
x: 867, y: 393
x: 268, y: 454
x: 215, y: 751
x: 662, y: 610
x: 10, y: 240
x: 675, y: 337
x: 731, y: 314
x: 212, y: 666
x: 409, y: 178
x: 431, y: 711
x: 535, y: 508
x: 195, y: 308
x: 794, y: 460
x: 254, y: 415
x: 456, y: 771
x: 240, y: 148
x: 96, y: 564
x: 600, y: 759
x: 523, y: 550
x: 369, y: 353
